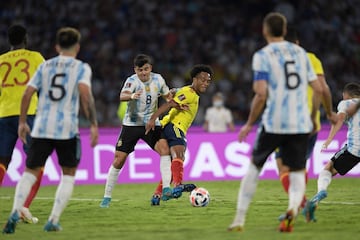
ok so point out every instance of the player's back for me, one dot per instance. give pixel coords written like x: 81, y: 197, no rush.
x: 353, y: 124
x: 289, y: 73
x: 16, y: 69
x: 57, y: 83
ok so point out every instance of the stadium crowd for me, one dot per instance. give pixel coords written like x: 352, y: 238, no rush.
x: 178, y: 34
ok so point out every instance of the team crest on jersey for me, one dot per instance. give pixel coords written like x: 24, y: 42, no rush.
x: 181, y: 97
x: 119, y: 143
x: 147, y: 88
x: 128, y: 85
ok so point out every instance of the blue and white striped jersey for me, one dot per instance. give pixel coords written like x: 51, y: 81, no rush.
x: 56, y: 81
x: 287, y: 70
x: 353, y: 124
x: 140, y: 110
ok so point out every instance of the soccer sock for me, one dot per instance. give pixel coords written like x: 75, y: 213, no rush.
x: 111, y: 180
x: 177, y: 170
x: 158, y: 190
x: 2, y: 173
x: 22, y: 190
x: 34, y: 189
x: 284, y: 178
x: 165, y: 169
x: 246, y: 193
x: 62, y: 196
x: 296, y: 190
x: 324, y: 180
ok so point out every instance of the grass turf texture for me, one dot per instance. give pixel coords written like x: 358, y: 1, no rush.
x: 130, y: 215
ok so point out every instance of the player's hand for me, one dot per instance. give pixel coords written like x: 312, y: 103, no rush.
x: 136, y: 95
x: 332, y: 118
x: 325, y: 145
x: 94, y: 135
x: 150, y: 125
x: 23, y: 130
x: 244, y: 131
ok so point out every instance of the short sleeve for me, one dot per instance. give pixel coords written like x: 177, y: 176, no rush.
x: 85, y: 74
x: 35, y: 81
x: 164, y: 87
x: 342, y: 106
x: 129, y: 85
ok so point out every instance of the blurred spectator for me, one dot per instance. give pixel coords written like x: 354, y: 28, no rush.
x: 179, y: 34
x: 218, y: 118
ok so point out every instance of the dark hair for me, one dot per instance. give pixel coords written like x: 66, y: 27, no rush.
x: 276, y: 23
x: 353, y: 89
x: 142, y: 59
x: 67, y: 37
x: 292, y: 34
x: 200, y: 68
x: 17, y: 34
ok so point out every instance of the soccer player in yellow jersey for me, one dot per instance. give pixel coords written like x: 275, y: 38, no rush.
x: 292, y: 36
x: 17, y: 66
x: 183, y: 109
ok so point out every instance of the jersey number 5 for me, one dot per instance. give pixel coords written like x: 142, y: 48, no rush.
x: 57, y: 91
x: 291, y: 76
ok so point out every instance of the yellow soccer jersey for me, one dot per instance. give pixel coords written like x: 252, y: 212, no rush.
x: 317, y: 66
x: 16, y: 69
x: 183, y: 119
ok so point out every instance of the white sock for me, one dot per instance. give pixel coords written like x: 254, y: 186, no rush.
x: 62, y: 196
x: 165, y: 170
x: 297, y: 189
x: 111, y: 180
x: 22, y: 190
x: 246, y: 193
x: 324, y: 180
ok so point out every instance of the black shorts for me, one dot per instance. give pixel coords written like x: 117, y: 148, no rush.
x: 293, y: 148
x: 309, y: 150
x: 344, y: 161
x: 130, y: 135
x: 68, y: 152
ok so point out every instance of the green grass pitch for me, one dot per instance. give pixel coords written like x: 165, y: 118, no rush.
x: 130, y: 215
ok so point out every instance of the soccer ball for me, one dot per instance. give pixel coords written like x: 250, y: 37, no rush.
x: 199, y: 197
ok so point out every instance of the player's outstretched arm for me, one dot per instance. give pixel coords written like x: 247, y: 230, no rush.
x: 326, y: 100
x: 23, y: 128
x: 257, y: 106
x: 150, y: 125
x: 334, y: 129
x: 88, y: 106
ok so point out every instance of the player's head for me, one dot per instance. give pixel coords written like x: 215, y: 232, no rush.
x: 143, y: 66
x: 351, y: 90
x: 68, y: 40
x: 274, y: 25
x: 218, y: 100
x: 201, y: 77
x: 17, y: 35
x: 292, y: 35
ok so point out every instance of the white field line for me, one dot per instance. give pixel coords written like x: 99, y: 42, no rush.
x: 117, y: 200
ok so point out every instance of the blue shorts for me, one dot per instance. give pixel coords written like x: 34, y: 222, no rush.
x: 174, y: 135
x: 9, y: 134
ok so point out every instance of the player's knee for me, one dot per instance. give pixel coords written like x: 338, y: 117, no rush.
x: 4, y: 161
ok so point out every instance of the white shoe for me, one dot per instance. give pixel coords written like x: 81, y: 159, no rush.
x: 27, y: 217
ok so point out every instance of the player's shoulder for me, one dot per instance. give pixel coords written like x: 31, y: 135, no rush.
x: 132, y: 78
x: 156, y: 76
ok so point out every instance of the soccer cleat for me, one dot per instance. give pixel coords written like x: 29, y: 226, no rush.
x: 9, y: 227
x: 235, y: 228
x: 287, y: 224
x: 188, y: 187
x: 177, y: 191
x: 311, y: 206
x: 167, y: 194
x: 27, y: 217
x: 105, y: 203
x: 155, y: 200
x: 51, y: 227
